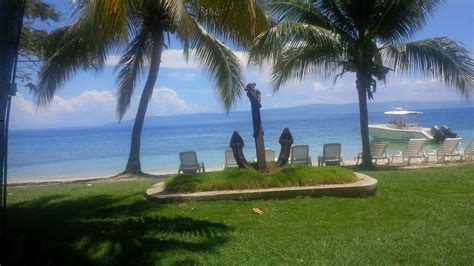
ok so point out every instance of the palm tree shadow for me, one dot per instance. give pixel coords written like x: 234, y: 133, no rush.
x: 98, y: 230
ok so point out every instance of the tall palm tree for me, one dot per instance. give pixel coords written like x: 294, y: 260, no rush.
x: 367, y: 37
x: 137, y: 30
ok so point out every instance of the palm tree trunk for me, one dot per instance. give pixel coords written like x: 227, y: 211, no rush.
x: 11, y: 13
x: 133, y: 164
x: 363, y: 83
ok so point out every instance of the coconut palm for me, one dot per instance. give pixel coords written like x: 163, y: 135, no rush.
x: 367, y: 37
x: 137, y: 30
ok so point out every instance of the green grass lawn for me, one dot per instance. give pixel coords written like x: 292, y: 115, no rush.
x: 234, y: 178
x: 416, y: 217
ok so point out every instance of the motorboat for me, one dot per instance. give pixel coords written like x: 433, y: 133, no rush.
x: 403, y: 125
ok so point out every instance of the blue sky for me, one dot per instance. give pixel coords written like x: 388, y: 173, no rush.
x: 89, y: 98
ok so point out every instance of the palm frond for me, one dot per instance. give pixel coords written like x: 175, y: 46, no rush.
x: 296, y: 11
x: 438, y: 58
x: 398, y: 21
x: 338, y: 17
x: 269, y: 45
x: 130, y: 67
x: 220, y: 63
x: 361, y: 14
x: 314, y: 12
x: 64, y: 57
x: 306, y: 61
x: 83, y: 45
x: 236, y: 21
x: 184, y: 24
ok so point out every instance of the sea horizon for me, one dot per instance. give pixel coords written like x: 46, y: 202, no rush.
x: 373, y: 107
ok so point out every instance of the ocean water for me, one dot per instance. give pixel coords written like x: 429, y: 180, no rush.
x: 103, y: 151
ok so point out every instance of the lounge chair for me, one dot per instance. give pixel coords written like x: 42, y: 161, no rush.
x: 189, y: 163
x: 449, y: 148
x: 270, y: 155
x: 469, y: 151
x: 377, y: 151
x: 230, y: 159
x: 413, y: 149
x: 331, y: 155
x: 300, y: 155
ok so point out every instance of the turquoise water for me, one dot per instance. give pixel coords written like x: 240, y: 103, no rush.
x: 101, y: 151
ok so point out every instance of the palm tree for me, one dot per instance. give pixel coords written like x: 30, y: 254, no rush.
x: 137, y: 30
x: 367, y: 37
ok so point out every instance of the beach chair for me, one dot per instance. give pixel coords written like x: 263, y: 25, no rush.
x: 468, y: 153
x: 229, y: 159
x: 300, y: 155
x: 377, y: 150
x: 413, y: 149
x: 331, y: 155
x: 270, y: 155
x: 449, y: 148
x: 189, y: 163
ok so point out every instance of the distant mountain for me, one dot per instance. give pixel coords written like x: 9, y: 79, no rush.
x: 291, y: 112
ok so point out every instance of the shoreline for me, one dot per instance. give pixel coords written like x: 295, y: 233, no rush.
x: 65, y: 179
x: 161, y: 175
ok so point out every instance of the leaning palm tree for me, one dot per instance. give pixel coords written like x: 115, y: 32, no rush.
x: 367, y: 37
x: 137, y: 30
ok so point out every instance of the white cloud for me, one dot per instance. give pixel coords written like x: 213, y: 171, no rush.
x: 166, y: 101
x: 174, y: 58
x: 93, y: 98
x: 415, y: 90
x: 319, y: 87
x: 93, y: 107
x: 242, y: 56
x: 112, y: 60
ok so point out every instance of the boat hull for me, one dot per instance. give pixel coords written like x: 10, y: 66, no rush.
x: 397, y: 134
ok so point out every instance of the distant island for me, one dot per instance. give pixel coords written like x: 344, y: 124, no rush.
x: 311, y: 110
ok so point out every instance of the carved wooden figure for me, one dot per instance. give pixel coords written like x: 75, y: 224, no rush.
x: 286, y: 140
x: 255, y: 97
x: 237, y: 145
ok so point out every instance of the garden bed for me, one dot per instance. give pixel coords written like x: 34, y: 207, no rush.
x: 236, y: 179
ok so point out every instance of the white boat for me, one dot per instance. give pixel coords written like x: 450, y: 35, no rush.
x: 401, y: 126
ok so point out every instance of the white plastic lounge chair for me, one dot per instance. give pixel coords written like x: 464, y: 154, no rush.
x: 413, y: 149
x: 300, y: 155
x: 469, y: 151
x: 331, y: 155
x: 270, y: 155
x: 189, y: 163
x: 377, y: 150
x: 230, y: 159
x: 449, y: 148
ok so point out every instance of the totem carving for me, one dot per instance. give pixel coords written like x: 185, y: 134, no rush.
x: 254, y: 96
x: 286, y: 140
x: 237, y: 146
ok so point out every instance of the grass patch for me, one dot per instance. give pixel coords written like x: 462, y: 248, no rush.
x: 234, y: 179
x: 417, y: 217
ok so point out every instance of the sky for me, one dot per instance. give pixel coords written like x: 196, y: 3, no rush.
x: 88, y: 98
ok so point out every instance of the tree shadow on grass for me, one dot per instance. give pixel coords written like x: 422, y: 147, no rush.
x: 101, y: 229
